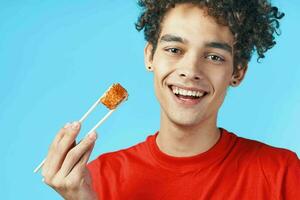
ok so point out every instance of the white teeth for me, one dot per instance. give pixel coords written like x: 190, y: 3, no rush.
x: 183, y: 92
x: 200, y: 94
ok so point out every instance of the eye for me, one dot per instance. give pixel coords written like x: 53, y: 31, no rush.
x: 173, y: 50
x: 215, y: 58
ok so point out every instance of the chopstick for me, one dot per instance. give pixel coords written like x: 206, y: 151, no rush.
x: 81, y: 121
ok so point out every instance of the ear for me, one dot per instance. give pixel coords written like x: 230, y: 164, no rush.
x: 238, y: 75
x: 148, y: 57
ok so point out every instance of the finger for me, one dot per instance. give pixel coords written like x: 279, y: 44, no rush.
x: 79, y: 174
x: 64, y: 145
x: 85, y: 157
x: 75, y: 154
x: 58, y: 137
x: 53, y: 146
x: 79, y: 169
x: 59, y: 151
x: 61, y: 132
x: 73, y: 182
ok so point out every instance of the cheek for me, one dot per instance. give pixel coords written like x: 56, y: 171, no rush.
x: 222, y: 82
x: 221, y: 76
x: 162, y: 74
x: 162, y: 70
x: 163, y: 61
x: 158, y: 90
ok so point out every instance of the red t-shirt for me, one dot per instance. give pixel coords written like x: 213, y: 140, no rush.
x: 234, y: 168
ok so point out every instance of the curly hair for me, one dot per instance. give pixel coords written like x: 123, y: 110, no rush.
x: 252, y: 23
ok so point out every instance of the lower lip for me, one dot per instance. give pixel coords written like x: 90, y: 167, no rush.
x: 187, y: 102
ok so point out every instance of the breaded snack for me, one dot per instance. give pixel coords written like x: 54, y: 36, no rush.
x: 114, y: 96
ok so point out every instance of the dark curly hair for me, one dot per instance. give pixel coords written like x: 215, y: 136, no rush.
x: 252, y: 23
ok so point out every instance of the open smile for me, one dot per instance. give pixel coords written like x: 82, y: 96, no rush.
x: 187, y: 96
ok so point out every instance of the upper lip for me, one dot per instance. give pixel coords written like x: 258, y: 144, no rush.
x: 197, y: 89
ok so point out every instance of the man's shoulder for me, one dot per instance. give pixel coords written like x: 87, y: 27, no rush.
x: 266, y: 153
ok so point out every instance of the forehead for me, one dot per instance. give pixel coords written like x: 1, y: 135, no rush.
x: 193, y: 23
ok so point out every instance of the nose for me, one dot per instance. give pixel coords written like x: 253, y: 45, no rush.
x: 190, y: 69
x: 187, y: 75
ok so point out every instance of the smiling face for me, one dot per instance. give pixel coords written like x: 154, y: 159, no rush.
x: 192, y: 65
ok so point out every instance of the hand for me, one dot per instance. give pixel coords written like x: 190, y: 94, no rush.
x: 65, y: 167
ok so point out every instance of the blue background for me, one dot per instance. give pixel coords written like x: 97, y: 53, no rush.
x: 57, y: 57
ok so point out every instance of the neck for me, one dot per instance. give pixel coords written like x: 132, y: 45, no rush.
x: 184, y: 141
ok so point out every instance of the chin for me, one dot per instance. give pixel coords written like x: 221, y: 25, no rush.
x: 185, y: 121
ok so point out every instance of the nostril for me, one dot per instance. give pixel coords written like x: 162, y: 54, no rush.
x: 182, y: 75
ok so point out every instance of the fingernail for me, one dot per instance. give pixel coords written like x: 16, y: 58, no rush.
x: 67, y: 125
x: 93, y: 135
x: 75, y: 125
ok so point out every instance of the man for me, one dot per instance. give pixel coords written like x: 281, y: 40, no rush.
x: 196, y: 50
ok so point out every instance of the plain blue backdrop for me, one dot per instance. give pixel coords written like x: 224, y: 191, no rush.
x: 58, y: 56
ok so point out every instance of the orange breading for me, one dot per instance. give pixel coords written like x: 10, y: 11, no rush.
x: 114, y: 96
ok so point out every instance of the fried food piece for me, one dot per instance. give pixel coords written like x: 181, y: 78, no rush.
x: 114, y: 96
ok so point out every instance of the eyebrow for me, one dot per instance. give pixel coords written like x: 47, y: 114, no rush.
x: 218, y: 45
x: 172, y: 38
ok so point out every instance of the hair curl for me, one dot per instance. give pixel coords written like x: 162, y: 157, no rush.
x: 252, y: 23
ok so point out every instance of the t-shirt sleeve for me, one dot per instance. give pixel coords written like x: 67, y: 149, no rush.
x: 94, y: 170
x: 282, y: 172
x: 103, y: 176
x: 291, y: 185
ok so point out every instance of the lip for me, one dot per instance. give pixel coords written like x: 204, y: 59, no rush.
x: 187, y: 102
